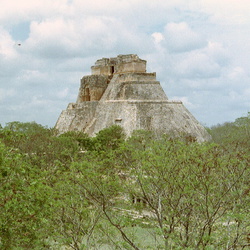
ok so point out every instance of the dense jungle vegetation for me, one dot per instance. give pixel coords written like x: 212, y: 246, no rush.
x: 108, y: 192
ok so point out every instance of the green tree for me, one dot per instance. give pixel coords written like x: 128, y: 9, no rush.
x: 25, y: 204
x: 109, y: 138
x: 75, y: 219
x: 75, y: 191
x: 191, y: 190
x: 82, y: 139
x: 233, y: 135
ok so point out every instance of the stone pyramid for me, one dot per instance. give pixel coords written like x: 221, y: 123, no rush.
x: 120, y: 91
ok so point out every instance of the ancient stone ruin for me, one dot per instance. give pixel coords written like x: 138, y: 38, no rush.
x: 120, y: 91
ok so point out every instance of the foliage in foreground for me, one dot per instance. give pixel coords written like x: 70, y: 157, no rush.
x: 108, y: 192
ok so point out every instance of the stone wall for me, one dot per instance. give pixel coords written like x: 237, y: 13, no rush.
x: 77, y: 117
x: 92, y: 88
x: 138, y: 86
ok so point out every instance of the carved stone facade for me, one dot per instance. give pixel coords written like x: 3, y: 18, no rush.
x: 120, y: 91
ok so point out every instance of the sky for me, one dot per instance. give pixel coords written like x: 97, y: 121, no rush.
x: 199, y: 49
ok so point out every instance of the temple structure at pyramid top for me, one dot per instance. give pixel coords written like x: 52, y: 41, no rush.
x: 119, y: 64
x: 120, y: 91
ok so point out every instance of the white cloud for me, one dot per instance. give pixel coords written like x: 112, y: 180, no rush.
x: 9, y: 55
x: 180, y: 37
x: 217, y: 52
x: 237, y: 73
x: 5, y: 94
x: 7, y: 46
x: 199, y: 50
x: 12, y: 11
x: 63, y: 93
x: 196, y: 65
x: 63, y: 38
x: 29, y: 76
x: 52, y: 38
x: 228, y: 12
x: 158, y: 37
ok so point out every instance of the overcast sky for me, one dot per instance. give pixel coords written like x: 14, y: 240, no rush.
x: 199, y: 49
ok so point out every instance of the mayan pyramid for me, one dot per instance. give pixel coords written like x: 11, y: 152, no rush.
x: 120, y: 91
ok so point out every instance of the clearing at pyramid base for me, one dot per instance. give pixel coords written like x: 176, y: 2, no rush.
x: 120, y: 91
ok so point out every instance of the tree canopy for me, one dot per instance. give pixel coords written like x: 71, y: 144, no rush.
x: 109, y: 191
